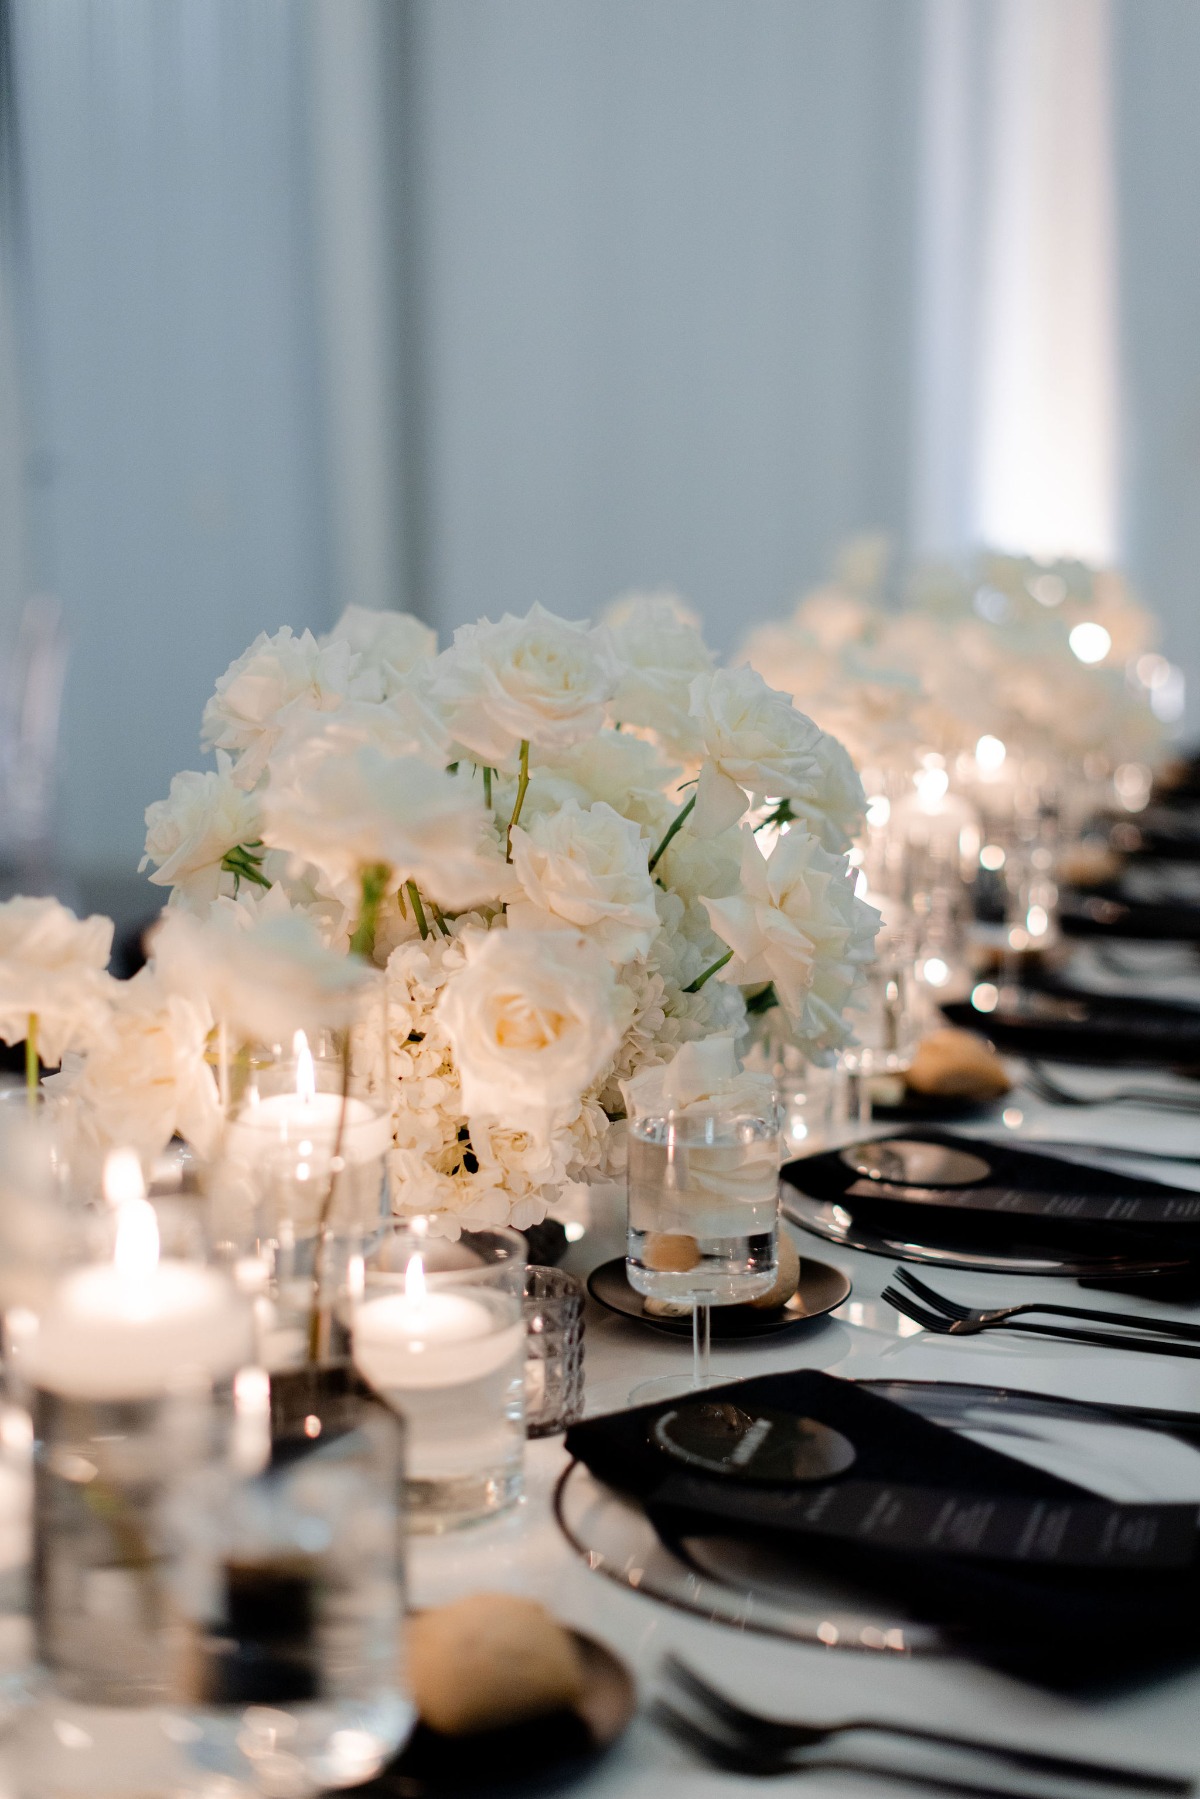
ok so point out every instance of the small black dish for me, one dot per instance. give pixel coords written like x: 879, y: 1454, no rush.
x: 538, y: 1754
x: 821, y: 1289
x: 934, y: 1108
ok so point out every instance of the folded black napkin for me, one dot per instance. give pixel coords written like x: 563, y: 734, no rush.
x: 1027, y: 1203
x: 1106, y: 912
x: 1020, y: 1568
x: 1071, y: 1025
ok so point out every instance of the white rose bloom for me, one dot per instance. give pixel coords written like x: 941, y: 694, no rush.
x: 625, y: 771
x: 259, y: 967
x: 343, y: 805
x: 389, y: 645
x: 757, y: 743
x: 189, y: 834
x: 146, y: 1077
x: 660, y: 654
x: 533, y: 1019
x: 537, y: 679
x: 268, y: 685
x: 52, y: 967
x: 797, y: 922
x: 584, y: 870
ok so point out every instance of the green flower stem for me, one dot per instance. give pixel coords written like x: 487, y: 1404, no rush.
x: 320, y: 1312
x: 695, y: 986
x: 31, y: 1059
x: 418, y: 909
x: 439, y: 918
x: 677, y: 824
x: 487, y: 787
x: 522, y: 787
x: 374, y: 878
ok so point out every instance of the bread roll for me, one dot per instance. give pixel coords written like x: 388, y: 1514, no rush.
x: 488, y: 1660
x: 953, y: 1064
x: 667, y: 1308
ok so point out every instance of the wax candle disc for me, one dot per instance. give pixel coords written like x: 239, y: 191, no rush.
x: 718, y: 1437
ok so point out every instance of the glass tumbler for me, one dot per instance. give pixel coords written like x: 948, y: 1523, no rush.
x: 704, y: 1206
x: 437, y: 1329
x: 553, y: 1350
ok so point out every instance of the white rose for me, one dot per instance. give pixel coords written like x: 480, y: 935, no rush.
x: 624, y: 771
x: 756, y: 742
x: 189, y: 834
x: 537, y: 679
x: 660, y: 653
x: 344, y: 805
x: 797, y: 922
x: 146, y: 1077
x: 52, y: 968
x: 585, y: 870
x: 272, y: 681
x: 259, y: 967
x: 389, y: 645
x: 533, y: 1020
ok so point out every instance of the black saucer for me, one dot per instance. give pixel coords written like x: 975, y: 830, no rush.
x: 540, y: 1753
x: 821, y: 1289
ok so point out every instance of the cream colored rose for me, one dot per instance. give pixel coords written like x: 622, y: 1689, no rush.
x: 797, y: 922
x: 537, y: 679
x: 534, y: 1019
x: 388, y: 645
x: 756, y: 743
x: 659, y: 654
x: 188, y: 834
x: 344, y: 805
x: 146, y: 1077
x: 266, y: 687
x: 624, y: 771
x: 52, y: 967
x: 585, y: 870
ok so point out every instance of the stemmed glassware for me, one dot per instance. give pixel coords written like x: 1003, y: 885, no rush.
x: 703, y: 1194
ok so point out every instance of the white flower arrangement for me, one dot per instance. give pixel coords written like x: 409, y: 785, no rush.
x: 539, y: 835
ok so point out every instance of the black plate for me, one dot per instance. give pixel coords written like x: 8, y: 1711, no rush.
x: 522, y: 1758
x: 937, y: 1108
x: 821, y: 1289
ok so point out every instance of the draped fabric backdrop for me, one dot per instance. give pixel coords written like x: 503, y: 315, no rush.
x: 460, y: 304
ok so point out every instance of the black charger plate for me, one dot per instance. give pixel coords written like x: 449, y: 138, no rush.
x: 821, y: 1289
x: 1068, y: 1024
x: 542, y: 1753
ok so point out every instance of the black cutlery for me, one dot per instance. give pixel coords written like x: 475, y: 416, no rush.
x: 737, y: 1757
x: 966, y: 1321
x: 939, y: 1325
x: 777, y: 1738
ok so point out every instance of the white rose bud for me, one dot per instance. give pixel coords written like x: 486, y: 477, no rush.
x: 52, y: 968
x: 189, y: 834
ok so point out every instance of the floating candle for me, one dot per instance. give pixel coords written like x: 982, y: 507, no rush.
x: 420, y: 1338
x: 291, y: 1120
x: 137, y: 1326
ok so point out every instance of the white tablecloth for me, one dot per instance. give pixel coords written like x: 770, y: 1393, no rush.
x: 1157, y: 1724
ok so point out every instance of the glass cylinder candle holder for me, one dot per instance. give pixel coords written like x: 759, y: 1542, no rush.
x: 438, y: 1331
x: 703, y: 1162
x: 554, y: 1350
x: 288, y: 1588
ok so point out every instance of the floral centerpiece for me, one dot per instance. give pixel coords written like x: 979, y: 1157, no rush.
x: 549, y: 836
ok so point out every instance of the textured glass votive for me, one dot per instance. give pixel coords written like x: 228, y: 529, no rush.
x: 553, y: 1350
x: 438, y: 1331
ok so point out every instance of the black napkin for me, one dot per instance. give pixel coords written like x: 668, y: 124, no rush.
x: 1029, y: 1203
x: 1070, y: 1024
x: 1023, y: 1569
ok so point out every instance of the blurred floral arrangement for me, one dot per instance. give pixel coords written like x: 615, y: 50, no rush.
x: 1055, y: 660
x: 570, y: 849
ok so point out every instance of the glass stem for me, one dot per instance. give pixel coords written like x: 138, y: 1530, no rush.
x: 701, y: 1343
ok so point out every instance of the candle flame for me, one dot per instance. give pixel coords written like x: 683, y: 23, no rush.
x: 414, y: 1279
x: 306, y: 1079
x: 123, y: 1177
x: 136, y: 1250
